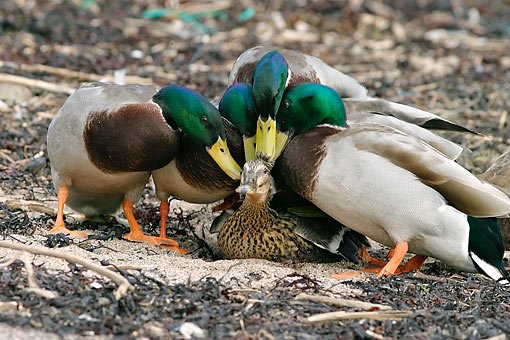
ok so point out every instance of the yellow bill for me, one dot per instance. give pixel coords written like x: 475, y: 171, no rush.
x: 249, y: 148
x: 281, y: 142
x: 266, y: 138
x: 221, y: 155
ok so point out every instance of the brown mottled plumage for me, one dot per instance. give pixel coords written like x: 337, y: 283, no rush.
x: 257, y: 231
x: 254, y: 231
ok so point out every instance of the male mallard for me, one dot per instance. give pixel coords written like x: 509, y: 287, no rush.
x: 390, y: 186
x: 256, y: 231
x: 193, y: 175
x: 499, y: 172
x: 499, y: 175
x: 108, y: 130
x: 238, y: 106
x: 271, y: 70
x: 98, y: 146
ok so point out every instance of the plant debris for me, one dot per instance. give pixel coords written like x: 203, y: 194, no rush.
x: 450, y: 58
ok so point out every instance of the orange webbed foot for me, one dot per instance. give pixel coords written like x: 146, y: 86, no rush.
x: 59, y: 226
x: 60, y: 229
x: 393, y: 264
x: 369, y: 260
x: 414, y: 263
x: 346, y: 275
x: 136, y: 235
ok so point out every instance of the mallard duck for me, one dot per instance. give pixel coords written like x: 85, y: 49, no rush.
x: 97, y: 147
x: 107, y: 130
x: 391, y: 187
x: 255, y: 230
x: 271, y: 70
x: 499, y: 172
x: 499, y: 175
x: 238, y: 106
x: 193, y: 175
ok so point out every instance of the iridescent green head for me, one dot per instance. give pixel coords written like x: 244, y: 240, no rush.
x: 199, y: 119
x: 238, y: 107
x: 306, y: 106
x: 270, y: 79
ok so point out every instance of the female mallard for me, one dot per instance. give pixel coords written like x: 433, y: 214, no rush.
x: 99, y: 140
x: 390, y: 186
x: 271, y: 70
x: 256, y: 231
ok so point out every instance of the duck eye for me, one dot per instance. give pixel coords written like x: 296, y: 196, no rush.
x: 286, y: 104
x: 204, y: 121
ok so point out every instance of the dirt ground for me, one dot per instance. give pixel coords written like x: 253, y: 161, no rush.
x: 451, y: 58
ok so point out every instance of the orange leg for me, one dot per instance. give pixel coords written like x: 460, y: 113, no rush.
x: 413, y: 264
x: 164, y: 207
x: 390, y: 253
x: 398, y: 255
x: 227, y: 203
x: 59, y: 226
x: 136, y: 234
x: 368, y: 259
x: 346, y: 275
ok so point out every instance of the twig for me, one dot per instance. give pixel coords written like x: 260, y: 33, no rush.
x: 378, y: 315
x: 31, y: 206
x: 342, y: 302
x: 4, y: 155
x: 244, y: 290
x: 81, y: 76
x: 420, y: 275
x: 10, y: 78
x: 9, y: 305
x: 121, y: 281
x: 32, y: 283
x: 502, y: 120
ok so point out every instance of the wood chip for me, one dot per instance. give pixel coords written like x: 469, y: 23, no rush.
x: 337, y: 302
x: 9, y: 78
x: 8, y: 305
x: 378, y: 315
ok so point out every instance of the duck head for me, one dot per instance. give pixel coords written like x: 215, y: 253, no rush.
x: 196, y: 117
x: 238, y: 107
x: 304, y: 107
x: 257, y: 185
x: 270, y: 78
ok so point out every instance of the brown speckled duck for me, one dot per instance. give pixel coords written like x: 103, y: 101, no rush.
x: 254, y: 230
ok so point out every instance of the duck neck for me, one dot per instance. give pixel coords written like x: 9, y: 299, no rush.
x: 258, y: 209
